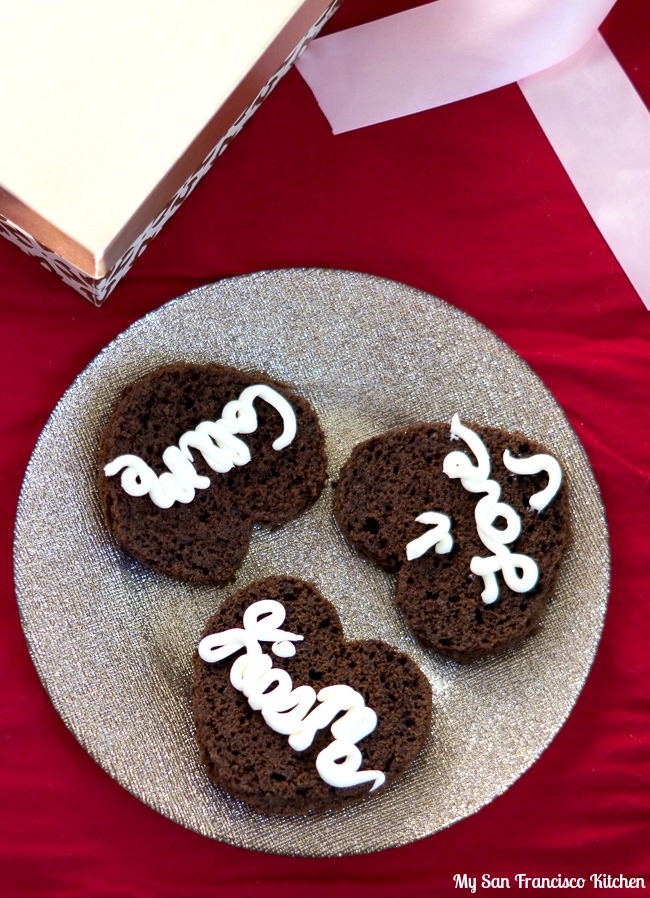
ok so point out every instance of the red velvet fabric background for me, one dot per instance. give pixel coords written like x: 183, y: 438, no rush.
x: 467, y: 202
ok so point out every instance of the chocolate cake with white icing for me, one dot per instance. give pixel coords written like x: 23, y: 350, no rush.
x: 289, y: 716
x: 194, y: 455
x: 466, y: 591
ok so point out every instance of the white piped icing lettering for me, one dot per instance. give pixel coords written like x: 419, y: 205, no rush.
x: 519, y: 571
x: 290, y: 710
x: 217, y: 443
x: 534, y: 465
x: 439, y: 535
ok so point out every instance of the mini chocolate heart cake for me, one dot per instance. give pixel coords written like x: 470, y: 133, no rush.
x: 289, y: 716
x: 474, y: 520
x: 195, y: 455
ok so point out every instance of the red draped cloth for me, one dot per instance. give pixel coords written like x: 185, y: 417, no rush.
x: 467, y: 202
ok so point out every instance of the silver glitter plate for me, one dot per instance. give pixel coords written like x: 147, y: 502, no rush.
x: 112, y: 641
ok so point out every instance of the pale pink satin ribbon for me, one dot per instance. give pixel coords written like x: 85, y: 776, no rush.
x: 452, y: 49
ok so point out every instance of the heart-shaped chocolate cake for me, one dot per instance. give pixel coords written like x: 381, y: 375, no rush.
x: 194, y: 455
x: 474, y: 520
x: 291, y: 717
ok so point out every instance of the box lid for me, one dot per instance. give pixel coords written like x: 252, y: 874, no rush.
x: 100, y: 103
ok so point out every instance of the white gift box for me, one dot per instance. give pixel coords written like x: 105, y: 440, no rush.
x: 114, y: 112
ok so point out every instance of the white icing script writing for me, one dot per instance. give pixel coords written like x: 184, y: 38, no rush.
x: 439, y: 535
x: 288, y: 710
x: 534, y: 465
x: 519, y: 571
x: 217, y: 443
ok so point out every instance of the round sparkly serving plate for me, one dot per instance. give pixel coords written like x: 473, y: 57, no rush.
x: 112, y: 641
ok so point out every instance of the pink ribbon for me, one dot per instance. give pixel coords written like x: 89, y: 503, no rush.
x: 452, y: 49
